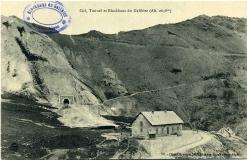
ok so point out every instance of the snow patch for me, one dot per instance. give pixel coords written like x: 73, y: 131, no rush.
x: 226, y: 132
x: 111, y: 136
x: 80, y: 116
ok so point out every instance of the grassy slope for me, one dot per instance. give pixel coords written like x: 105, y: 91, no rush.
x: 204, y: 49
x: 31, y: 132
x: 141, y: 63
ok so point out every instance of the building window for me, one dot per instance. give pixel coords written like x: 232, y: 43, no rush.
x: 162, y: 130
x: 167, y: 129
x: 157, y: 130
x: 173, y: 129
x: 141, y: 125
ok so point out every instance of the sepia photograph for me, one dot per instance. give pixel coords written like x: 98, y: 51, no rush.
x: 123, y: 80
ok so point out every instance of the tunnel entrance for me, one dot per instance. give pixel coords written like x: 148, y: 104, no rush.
x: 66, y: 101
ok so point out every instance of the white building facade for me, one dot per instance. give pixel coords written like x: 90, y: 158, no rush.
x: 156, y: 123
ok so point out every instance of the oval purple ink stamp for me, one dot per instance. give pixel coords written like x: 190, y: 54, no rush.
x: 51, y: 26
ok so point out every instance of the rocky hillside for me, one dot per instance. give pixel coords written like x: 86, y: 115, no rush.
x: 198, y: 68
x: 35, y: 65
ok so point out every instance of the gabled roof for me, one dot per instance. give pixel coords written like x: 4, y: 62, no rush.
x: 162, y: 117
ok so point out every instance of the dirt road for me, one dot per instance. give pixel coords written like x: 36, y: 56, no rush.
x: 171, y: 145
x: 205, y: 137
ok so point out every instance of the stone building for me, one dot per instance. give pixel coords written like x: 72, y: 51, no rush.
x: 156, y: 123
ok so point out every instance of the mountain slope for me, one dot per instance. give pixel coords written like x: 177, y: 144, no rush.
x: 196, y: 68
x: 33, y: 60
x: 35, y: 66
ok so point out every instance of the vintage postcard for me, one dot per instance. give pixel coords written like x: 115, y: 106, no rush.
x: 123, y: 80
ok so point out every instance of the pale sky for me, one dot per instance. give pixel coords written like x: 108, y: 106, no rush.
x: 115, y: 22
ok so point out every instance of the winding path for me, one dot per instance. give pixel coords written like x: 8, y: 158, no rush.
x: 205, y: 138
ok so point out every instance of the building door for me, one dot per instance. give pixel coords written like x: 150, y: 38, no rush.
x: 152, y: 136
